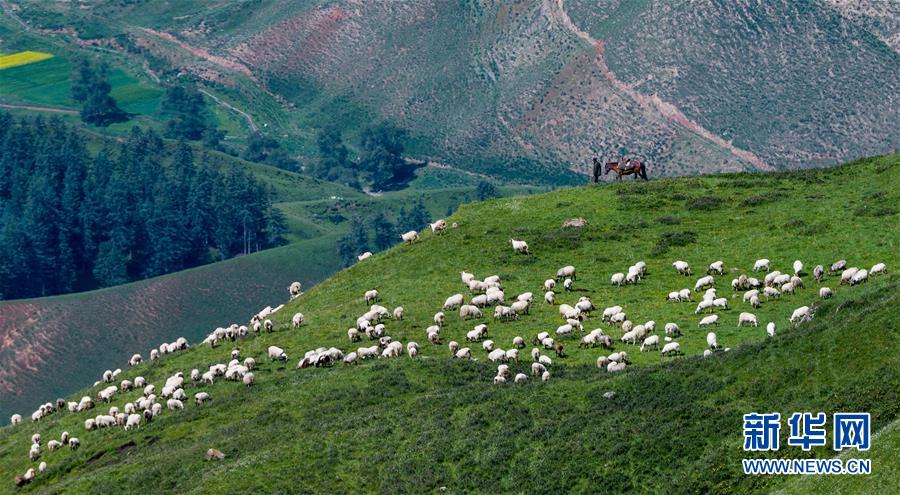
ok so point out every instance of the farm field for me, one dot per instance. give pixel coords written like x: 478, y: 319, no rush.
x: 21, y: 58
x: 416, y: 425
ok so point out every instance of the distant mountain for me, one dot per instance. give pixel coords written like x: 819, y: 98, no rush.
x: 530, y: 90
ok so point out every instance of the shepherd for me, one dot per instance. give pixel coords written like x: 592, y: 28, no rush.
x: 639, y: 169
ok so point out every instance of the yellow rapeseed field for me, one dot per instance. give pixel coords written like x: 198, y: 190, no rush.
x: 22, y: 58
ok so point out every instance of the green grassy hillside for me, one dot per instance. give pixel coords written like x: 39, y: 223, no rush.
x: 405, y: 425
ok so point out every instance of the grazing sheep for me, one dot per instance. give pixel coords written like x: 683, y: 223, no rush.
x: 497, y: 355
x: 398, y: 313
x: 520, y: 247
x: 704, y: 282
x: 453, y: 346
x: 453, y: 302
x: 672, y: 330
x: 371, y: 296
x: 133, y: 421
x: 249, y: 379
x: 488, y: 345
x: 201, y: 397
x: 787, y: 288
x: 770, y: 292
x: 671, y: 348
x: 617, y: 279
x: 825, y: 292
x: 673, y: 296
x: 410, y: 237
x: 512, y: 355
x: 568, y: 284
x: 712, y: 341
x: 686, y: 295
x: 297, y: 320
x: 704, y: 304
x: 878, y: 268
x: 295, y: 290
x: 518, y: 342
x: 617, y: 318
x: 464, y: 353
x: 709, y: 320
x: 682, y: 267
x: 545, y: 360
x: 549, y: 297
x: 748, y: 318
x: 819, y: 273
x: 74, y: 443
x: 567, y: 271
x: 499, y: 380
x: 135, y: 360
x: 412, y: 349
x: 54, y: 444
x: 651, y: 341
x: 716, y: 267
x: 350, y: 358
x: 848, y: 274
x: 521, y: 378
x: 838, y: 266
x: 798, y: 267
x: 614, y: 366
x: 35, y: 452
x: 750, y: 294
x: 36, y: 438
x: 174, y: 404
x: 439, y: 318
x: 549, y: 284
x: 545, y: 376
x: 721, y: 303
x: 754, y: 301
x: 519, y: 308
x: 438, y: 227
x: 467, y: 311
x: 799, y: 314
x: 276, y: 353
x: 859, y: 277
x: 15, y: 419
x: 770, y: 329
x: 761, y: 264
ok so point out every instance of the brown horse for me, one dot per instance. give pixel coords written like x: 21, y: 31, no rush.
x: 639, y: 169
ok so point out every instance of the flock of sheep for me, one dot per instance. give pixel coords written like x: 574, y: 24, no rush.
x: 483, y: 294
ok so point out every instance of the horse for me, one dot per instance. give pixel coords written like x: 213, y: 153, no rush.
x: 639, y: 169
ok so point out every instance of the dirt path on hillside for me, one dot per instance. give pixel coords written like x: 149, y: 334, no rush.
x: 40, y: 109
x: 667, y: 109
x: 228, y: 106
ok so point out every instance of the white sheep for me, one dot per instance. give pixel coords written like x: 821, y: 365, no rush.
x: 549, y: 284
x: 703, y: 282
x: 720, y: 302
x: 174, y: 404
x: 297, y: 320
x: 521, y: 378
x: 371, y: 296
x: 614, y: 366
x: 709, y: 320
x: 135, y: 360
x: 249, y: 379
x: 15, y: 419
x: 567, y: 271
x: 761, y: 264
x: 410, y: 237
x: 545, y: 376
x: 276, y: 353
x: 770, y: 329
x: 568, y: 284
x: 398, y: 313
x: 712, y: 341
x: 800, y: 313
x: 464, y: 353
x: 549, y: 297
x: 519, y: 246
x: 488, y: 345
x: 453, y: 302
x: 74, y: 443
x: 682, y: 267
x: 754, y: 301
x: 617, y: 318
x: 512, y: 355
x: 748, y: 318
x: 671, y: 348
x: 439, y: 226
x: 716, y: 267
x: 617, y: 279
x: 467, y: 311
x: 133, y: 421
x: 672, y: 330
x: 295, y: 290
x: 848, y: 274
x: 673, y: 296
x: 825, y: 293
x: 686, y: 294
x: 798, y: 267
x: 497, y: 355
x: 859, y: 277
x: 770, y: 292
x: 499, y: 380
x: 703, y: 305
x: 878, y: 268
x: 651, y: 341
x: 412, y: 349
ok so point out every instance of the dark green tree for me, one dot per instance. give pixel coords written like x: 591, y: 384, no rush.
x: 382, y: 163
x: 91, y: 88
x: 485, y: 190
x: 189, y: 117
x: 385, y: 232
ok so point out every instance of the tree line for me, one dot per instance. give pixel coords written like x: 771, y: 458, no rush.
x: 75, y: 220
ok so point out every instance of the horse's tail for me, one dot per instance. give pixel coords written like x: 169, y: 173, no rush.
x: 643, y: 171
